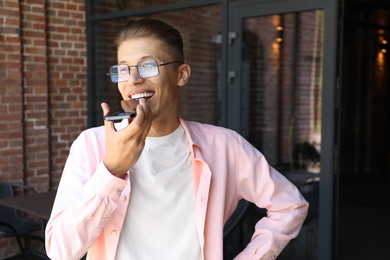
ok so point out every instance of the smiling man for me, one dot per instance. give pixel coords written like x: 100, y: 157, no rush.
x: 157, y: 186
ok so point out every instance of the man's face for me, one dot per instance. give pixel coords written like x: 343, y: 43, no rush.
x: 161, y: 91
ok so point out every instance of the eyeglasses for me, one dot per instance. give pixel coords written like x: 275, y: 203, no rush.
x: 146, y: 69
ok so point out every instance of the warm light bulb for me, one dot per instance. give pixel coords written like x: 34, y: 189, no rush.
x: 384, y: 41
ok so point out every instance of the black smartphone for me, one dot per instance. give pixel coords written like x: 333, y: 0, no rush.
x: 125, y: 111
x: 119, y: 115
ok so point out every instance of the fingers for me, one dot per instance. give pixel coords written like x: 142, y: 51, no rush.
x: 107, y: 124
x: 144, y: 109
x: 129, y: 105
x: 142, y: 121
x: 124, y: 147
x: 105, y: 108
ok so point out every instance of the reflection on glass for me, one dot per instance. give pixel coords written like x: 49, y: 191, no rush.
x: 281, y: 105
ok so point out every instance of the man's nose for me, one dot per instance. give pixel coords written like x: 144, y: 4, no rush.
x: 134, y: 77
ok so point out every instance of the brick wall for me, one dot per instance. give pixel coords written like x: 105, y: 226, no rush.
x: 67, y: 59
x: 11, y: 108
x: 42, y: 90
x: 35, y: 94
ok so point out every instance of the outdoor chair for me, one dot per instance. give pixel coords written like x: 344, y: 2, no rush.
x: 14, y: 225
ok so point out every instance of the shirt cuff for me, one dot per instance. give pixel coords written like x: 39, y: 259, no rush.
x: 106, y: 184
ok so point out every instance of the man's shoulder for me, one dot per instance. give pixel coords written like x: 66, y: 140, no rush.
x: 93, y: 130
x: 89, y: 134
x: 204, y: 130
x: 204, y: 126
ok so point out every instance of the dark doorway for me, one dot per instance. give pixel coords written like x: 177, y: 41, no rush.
x: 364, y: 175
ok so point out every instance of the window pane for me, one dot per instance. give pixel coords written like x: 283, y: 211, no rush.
x: 281, y: 105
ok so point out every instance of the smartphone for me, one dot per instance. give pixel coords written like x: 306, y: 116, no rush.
x: 119, y: 115
x: 126, y: 110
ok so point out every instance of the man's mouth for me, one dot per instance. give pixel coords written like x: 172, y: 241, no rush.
x: 146, y: 95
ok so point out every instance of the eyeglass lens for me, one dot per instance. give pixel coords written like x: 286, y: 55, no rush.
x: 146, y: 69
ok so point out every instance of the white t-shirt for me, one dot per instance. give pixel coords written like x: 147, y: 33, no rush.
x: 160, y: 220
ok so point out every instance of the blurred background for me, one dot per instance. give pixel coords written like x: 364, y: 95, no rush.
x: 305, y: 81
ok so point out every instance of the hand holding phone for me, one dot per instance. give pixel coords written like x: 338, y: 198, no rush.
x: 124, y: 146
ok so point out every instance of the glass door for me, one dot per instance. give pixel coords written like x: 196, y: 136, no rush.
x: 276, y: 100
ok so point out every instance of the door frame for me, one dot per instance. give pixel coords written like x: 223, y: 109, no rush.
x: 237, y: 10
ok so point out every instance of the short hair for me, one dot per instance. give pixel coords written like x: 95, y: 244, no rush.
x: 153, y: 28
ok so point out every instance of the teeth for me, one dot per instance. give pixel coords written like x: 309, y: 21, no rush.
x: 141, y: 95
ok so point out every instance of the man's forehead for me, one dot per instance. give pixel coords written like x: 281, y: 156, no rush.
x: 138, y: 49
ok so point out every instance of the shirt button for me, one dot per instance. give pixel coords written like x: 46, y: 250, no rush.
x: 113, y: 232
x: 120, y: 189
x: 124, y: 198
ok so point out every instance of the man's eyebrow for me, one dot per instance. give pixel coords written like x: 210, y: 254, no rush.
x: 140, y: 59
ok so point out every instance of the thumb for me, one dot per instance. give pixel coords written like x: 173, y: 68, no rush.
x: 108, y: 125
x: 105, y: 107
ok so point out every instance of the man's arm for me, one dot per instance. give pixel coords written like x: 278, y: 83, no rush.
x: 86, y: 197
x: 259, y: 183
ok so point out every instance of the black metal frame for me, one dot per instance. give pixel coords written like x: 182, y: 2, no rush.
x: 329, y: 110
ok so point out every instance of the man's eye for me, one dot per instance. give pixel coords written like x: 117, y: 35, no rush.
x: 148, y: 65
x: 122, y: 69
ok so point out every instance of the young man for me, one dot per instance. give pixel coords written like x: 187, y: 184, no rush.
x: 157, y: 186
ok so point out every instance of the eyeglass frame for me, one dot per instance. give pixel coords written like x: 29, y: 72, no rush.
x: 136, y: 66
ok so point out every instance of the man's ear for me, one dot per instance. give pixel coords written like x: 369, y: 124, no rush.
x: 184, y: 74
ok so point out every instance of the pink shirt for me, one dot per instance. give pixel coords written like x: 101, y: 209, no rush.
x: 91, y: 204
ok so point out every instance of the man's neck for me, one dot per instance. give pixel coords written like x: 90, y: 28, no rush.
x: 163, y: 128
